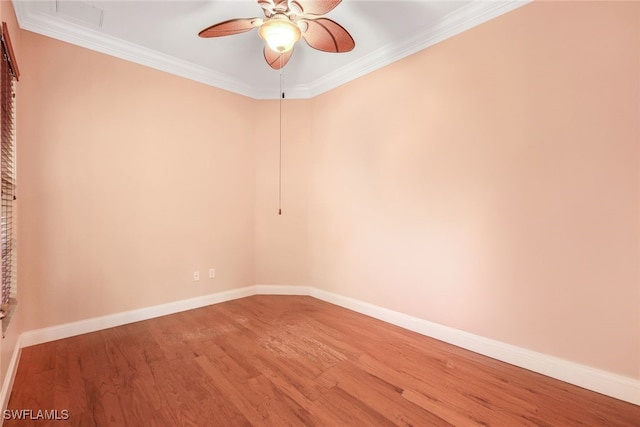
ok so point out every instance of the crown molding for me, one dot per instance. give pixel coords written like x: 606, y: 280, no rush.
x: 44, y: 24
x: 473, y: 14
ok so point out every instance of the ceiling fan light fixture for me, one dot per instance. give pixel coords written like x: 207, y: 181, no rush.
x: 280, y: 33
x: 284, y: 23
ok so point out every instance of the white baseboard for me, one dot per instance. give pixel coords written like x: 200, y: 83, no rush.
x: 607, y: 383
x: 281, y: 290
x: 66, y: 330
x: 617, y: 386
x: 7, y: 384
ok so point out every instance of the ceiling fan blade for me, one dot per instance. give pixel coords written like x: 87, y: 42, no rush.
x: 230, y: 27
x: 328, y: 36
x: 268, y: 7
x: 266, y: 3
x: 276, y: 60
x: 316, y: 7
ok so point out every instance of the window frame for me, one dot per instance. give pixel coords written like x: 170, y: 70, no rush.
x: 9, y: 75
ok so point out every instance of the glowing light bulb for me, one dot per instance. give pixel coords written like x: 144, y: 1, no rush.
x: 280, y: 33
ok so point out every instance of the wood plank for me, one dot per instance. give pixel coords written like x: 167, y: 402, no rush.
x: 387, y: 398
x: 290, y: 360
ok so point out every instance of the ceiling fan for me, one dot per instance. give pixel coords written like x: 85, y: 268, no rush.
x: 284, y: 23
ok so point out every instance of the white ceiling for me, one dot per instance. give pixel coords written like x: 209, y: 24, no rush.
x: 163, y: 34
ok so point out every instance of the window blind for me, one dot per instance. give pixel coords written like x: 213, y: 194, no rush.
x: 8, y: 77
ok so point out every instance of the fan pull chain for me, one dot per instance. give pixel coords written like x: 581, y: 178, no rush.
x: 280, y: 148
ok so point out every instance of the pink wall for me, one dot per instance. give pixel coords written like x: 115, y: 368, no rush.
x: 490, y: 183
x: 130, y: 180
x: 282, y: 241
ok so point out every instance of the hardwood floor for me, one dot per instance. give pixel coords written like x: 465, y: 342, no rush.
x: 289, y: 360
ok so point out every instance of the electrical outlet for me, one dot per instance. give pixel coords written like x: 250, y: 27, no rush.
x: 212, y: 273
x: 196, y: 276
